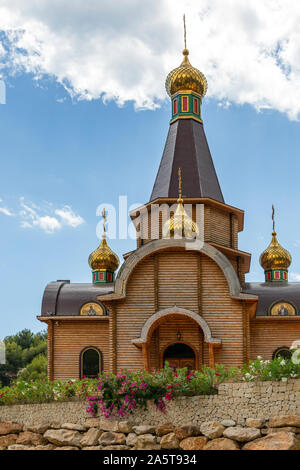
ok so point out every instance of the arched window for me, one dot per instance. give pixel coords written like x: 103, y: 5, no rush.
x: 282, y: 351
x: 90, y: 362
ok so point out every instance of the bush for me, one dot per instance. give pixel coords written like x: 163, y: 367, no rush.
x: 118, y: 395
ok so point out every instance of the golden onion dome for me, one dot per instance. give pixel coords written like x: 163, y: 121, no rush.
x: 180, y: 224
x: 186, y: 77
x: 103, y: 257
x: 275, y: 256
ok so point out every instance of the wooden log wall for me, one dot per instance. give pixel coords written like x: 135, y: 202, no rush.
x: 70, y: 338
x: 179, y: 283
x: 269, y: 334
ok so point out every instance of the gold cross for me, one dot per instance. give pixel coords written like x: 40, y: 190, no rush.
x: 273, y: 217
x: 184, y: 28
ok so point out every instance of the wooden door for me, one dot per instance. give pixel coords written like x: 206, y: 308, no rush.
x: 179, y: 363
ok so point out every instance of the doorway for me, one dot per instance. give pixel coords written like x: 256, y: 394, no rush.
x: 180, y: 355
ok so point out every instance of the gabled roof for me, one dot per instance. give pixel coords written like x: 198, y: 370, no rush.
x: 187, y: 148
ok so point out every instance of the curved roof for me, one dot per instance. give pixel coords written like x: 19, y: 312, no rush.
x: 65, y: 299
x: 271, y: 292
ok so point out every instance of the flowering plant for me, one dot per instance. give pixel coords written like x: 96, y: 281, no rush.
x: 296, y: 357
x: 118, y: 395
x: 122, y: 393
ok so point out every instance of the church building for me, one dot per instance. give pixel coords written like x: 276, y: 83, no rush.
x: 181, y: 295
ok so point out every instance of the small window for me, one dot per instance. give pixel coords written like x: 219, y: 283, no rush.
x: 196, y: 109
x: 282, y: 351
x: 90, y: 363
x: 175, y: 107
x: 184, y: 104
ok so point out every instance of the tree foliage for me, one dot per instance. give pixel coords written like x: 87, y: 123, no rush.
x: 26, y: 355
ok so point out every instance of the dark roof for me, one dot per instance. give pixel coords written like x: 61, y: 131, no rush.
x: 271, y: 292
x: 64, y: 299
x: 186, y: 147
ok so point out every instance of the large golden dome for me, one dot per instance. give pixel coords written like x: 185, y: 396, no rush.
x: 275, y: 256
x: 103, y: 257
x: 186, y: 77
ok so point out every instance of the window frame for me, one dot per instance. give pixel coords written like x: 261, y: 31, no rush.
x: 81, y: 355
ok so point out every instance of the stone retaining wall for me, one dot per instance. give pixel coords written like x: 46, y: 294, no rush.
x: 237, y: 401
x: 278, y: 433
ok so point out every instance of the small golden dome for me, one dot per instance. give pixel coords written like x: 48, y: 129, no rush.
x: 186, y: 77
x: 103, y: 257
x: 275, y: 256
x: 180, y: 224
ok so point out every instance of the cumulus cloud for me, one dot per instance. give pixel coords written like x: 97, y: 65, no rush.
x: 295, y: 276
x: 122, y: 51
x: 45, y: 218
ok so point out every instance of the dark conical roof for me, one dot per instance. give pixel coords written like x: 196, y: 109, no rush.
x: 187, y: 148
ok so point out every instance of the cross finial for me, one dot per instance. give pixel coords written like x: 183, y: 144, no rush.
x: 273, y: 217
x: 104, y: 222
x: 184, y: 29
x: 179, y: 183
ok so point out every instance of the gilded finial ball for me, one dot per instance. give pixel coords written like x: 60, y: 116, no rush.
x: 275, y: 256
x: 185, y: 78
x: 104, y: 258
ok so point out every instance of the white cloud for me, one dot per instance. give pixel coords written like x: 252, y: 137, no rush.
x: 295, y: 277
x: 69, y: 217
x: 249, y: 51
x: 33, y: 216
x: 5, y: 210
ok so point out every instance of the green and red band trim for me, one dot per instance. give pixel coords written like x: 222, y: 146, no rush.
x: 276, y: 275
x: 186, y: 105
x: 102, y: 276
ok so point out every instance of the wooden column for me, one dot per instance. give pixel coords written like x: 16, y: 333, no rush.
x: 113, y: 339
x: 211, y: 355
x: 146, y: 356
x: 156, y: 302
x: 50, y: 350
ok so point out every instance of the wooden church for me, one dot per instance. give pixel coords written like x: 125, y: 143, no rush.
x: 181, y: 295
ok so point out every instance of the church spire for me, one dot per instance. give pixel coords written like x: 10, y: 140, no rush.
x: 186, y: 146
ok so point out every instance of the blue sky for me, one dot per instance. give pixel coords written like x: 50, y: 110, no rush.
x: 85, y: 153
x: 86, y: 121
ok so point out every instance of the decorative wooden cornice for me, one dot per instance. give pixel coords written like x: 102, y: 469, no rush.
x: 208, y: 201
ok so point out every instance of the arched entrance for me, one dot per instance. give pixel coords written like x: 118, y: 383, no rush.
x: 180, y: 355
x: 170, y: 315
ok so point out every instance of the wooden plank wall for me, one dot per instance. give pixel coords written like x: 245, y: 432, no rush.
x: 70, y: 338
x: 268, y: 335
x: 223, y: 314
x: 178, y: 283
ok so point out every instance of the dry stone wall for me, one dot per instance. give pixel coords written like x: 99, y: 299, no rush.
x: 237, y: 401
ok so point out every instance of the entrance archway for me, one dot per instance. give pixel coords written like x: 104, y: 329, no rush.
x: 180, y: 355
